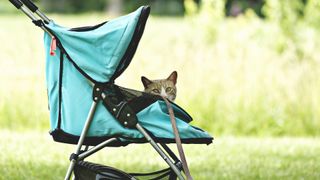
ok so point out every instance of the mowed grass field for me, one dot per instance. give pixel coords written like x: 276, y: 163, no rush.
x: 34, y: 156
x: 238, y: 86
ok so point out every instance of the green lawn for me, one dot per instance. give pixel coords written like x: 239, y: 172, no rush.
x: 33, y: 155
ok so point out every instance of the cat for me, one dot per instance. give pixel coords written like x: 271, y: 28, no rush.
x: 163, y: 87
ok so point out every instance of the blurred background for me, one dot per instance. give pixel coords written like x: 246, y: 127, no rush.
x: 248, y: 72
x: 245, y: 67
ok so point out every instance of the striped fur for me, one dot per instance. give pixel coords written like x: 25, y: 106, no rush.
x: 163, y: 87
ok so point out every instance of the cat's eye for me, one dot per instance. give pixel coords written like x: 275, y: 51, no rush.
x: 156, y: 91
x: 168, y: 89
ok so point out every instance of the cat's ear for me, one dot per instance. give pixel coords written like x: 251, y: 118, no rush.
x: 173, y: 77
x: 145, y: 81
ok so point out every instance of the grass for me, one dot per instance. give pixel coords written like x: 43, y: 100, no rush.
x: 33, y: 155
x: 238, y: 85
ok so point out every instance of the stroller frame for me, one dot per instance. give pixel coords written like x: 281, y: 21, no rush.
x: 80, y: 155
x: 28, y: 8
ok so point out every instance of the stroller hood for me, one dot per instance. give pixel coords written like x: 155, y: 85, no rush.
x: 104, y: 51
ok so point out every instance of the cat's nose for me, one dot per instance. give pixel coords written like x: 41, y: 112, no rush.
x: 163, y: 93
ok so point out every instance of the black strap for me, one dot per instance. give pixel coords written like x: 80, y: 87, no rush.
x: 38, y: 23
x: 162, y: 176
x: 60, y: 88
x: 151, y: 173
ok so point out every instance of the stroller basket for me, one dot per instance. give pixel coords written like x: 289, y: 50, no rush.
x: 87, y: 108
x: 86, y: 170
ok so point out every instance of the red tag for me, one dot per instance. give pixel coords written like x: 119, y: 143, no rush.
x: 53, y: 46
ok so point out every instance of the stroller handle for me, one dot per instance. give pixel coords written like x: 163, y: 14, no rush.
x: 19, y: 5
x: 30, y: 5
x: 16, y: 3
x: 33, y: 8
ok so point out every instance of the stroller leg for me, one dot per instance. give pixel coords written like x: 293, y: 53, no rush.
x: 159, y: 150
x: 81, y: 139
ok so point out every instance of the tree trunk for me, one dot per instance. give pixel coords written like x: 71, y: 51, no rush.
x: 114, y: 7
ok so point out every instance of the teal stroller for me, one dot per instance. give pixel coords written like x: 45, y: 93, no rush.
x: 88, y: 109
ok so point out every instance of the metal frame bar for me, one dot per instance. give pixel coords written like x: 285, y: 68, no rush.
x: 160, y: 151
x: 43, y: 16
x: 27, y: 12
x: 95, y: 148
x: 81, y: 139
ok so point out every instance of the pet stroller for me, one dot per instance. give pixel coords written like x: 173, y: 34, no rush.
x: 87, y: 108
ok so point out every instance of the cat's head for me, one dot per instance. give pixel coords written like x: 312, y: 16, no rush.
x: 163, y: 87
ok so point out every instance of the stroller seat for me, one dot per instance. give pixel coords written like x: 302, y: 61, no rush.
x: 152, y: 114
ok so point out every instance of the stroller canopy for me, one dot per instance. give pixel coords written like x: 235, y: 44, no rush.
x: 103, y: 51
x: 100, y: 54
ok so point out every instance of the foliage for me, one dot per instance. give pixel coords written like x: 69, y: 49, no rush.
x: 159, y: 7
x: 72, y: 6
x: 287, y: 39
x: 312, y: 13
x: 6, y: 7
x: 244, y: 5
x: 297, y: 21
x: 207, y: 16
x: 294, y: 21
x: 287, y: 15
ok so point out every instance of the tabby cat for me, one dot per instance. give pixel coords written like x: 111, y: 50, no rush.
x: 163, y: 87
